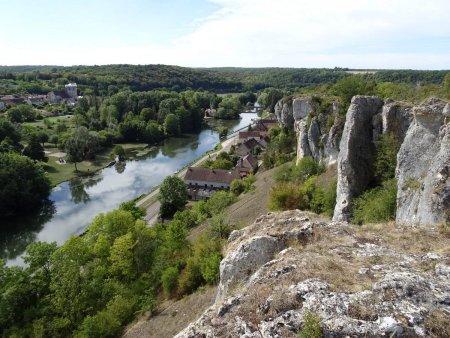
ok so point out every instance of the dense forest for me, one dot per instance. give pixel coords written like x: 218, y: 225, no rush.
x: 108, y: 79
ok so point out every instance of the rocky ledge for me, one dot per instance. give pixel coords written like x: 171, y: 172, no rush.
x: 360, y: 281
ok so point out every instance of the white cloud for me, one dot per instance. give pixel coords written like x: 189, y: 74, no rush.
x: 297, y: 33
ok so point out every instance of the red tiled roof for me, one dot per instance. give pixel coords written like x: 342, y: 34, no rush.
x: 210, y: 175
x: 246, y: 134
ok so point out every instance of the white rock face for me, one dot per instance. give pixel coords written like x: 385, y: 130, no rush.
x: 307, y: 265
x: 301, y: 108
x: 423, y: 167
x: 357, y: 151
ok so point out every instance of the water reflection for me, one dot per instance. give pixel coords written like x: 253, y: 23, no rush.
x: 78, y: 201
x: 18, y: 234
x: 78, y: 191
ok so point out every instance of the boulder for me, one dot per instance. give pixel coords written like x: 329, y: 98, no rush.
x: 357, y: 151
x: 423, y: 167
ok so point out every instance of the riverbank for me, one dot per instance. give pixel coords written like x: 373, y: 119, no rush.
x: 60, y: 172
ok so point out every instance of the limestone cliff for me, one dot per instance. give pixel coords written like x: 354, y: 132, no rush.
x: 423, y: 166
x: 359, y: 281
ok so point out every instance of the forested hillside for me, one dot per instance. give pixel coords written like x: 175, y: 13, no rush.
x: 103, y: 80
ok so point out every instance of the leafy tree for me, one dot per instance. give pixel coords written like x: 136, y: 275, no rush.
x: 169, y: 280
x: 153, y: 132
x: 81, y: 145
x: 229, y: 108
x: 21, y: 113
x: 119, y: 152
x: 34, y: 149
x: 24, y: 185
x: 172, y: 125
x: 8, y: 130
x: 386, y: 157
x: 172, y: 195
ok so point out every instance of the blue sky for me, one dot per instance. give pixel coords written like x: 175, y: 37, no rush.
x: 204, y: 33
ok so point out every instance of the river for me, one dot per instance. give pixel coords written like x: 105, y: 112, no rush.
x: 75, y: 203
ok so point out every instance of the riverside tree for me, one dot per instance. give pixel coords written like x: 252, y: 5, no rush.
x: 172, y: 195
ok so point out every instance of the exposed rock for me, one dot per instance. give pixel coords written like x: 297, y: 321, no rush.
x: 423, y: 167
x: 356, y: 156
x: 314, y: 139
x: 283, y: 112
x: 301, y: 108
x: 302, y: 140
x: 355, y: 287
x: 396, y: 118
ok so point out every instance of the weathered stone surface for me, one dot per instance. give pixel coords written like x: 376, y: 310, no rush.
x: 314, y: 139
x: 357, y: 150
x: 302, y: 140
x: 423, y: 167
x: 301, y: 108
x: 355, y: 287
x: 396, y: 118
x: 283, y: 112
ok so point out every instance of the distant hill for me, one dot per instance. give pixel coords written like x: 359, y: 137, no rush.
x: 221, y: 80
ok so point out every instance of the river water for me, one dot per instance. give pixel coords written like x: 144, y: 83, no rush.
x: 75, y: 203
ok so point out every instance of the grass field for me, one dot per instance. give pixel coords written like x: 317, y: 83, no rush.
x: 62, y: 172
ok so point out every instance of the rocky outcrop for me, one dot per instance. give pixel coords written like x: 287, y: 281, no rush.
x: 357, y: 153
x: 315, y: 136
x: 357, y: 281
x: 423, y: 166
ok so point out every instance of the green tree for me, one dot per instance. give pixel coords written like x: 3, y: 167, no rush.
x: 34, y: 149
x: 81, y: 145
x: 24, y: 185
x: 172, y: 125
x: 172, y: 195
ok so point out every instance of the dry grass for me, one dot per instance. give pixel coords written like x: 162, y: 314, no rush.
x: 438, y: 324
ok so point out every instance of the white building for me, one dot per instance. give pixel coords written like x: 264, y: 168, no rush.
x: 71, y: 90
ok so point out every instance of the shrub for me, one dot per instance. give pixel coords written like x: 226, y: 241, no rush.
x: 240, y: 186
x: 386, y: 157
x: 291, y: 172
x: 169, y: 279
x: 377, y: 204
x: 190, y: 278
x: 311, y: 326
x: 287, y: 196
x: 133, y: 209
x: 209, y: 266
x: 219, y: 201
x: 187, y: 217
x: 219, y: 227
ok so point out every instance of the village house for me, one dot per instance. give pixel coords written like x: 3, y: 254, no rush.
x: 203, y: 182
x: 247, y: 135
x: 249, y: 146
x: 246, y: 165
x: 68, y: 95
x: 264, y: 125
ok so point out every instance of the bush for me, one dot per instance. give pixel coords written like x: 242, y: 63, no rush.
x: 190, y: 278
x: 311, y: 326
x: 209, y: 267
x: 386, y: 157
x: 133, y: 209
x: 219, y: 201
x: 219, y: 227
x: 187, y: 217
x: 240, y: 186
x: 287, y: 196
x: 377, y: 204
x: 169, y: 280
x: 305, y: 168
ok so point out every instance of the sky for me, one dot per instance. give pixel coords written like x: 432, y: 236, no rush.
x: 412, y: 34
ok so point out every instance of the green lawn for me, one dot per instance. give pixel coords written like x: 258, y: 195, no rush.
x: 62, y: 172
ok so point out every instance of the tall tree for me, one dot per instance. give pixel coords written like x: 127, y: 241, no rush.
x: 172, y: 195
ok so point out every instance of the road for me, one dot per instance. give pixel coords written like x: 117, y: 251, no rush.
x: 150, y: 202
